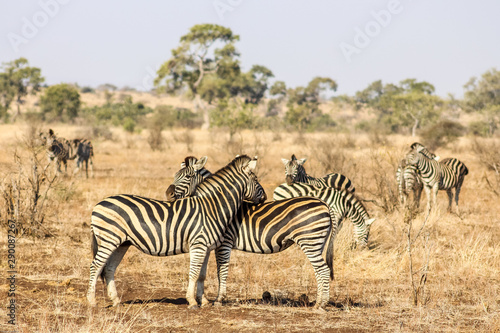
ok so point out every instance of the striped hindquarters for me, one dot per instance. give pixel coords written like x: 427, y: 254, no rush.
x: 155, y: 227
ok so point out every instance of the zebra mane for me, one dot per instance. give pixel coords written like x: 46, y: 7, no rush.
x: 353, y: 198
x: 237, y: 162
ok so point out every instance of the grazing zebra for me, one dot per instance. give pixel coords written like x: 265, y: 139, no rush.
x: 341, y: 203
x: 444, y: 175
x: 85, y: 153
x: 158, y: 228
x: 408, y: 180
x: 58, y: 148
x: 295, y: 173
x: 269, y: 228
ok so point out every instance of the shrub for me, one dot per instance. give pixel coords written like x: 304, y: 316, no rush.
x: 441, y: 134
x: 60, y: 102
x: 479, y: 128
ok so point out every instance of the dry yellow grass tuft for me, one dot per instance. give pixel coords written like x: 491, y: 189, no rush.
x: 371, y: 291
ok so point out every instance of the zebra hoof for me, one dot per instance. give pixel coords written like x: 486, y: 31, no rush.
x: 193, y: 307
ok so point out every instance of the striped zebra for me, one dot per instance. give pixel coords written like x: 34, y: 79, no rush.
x: 424, y: 150
x: 295, y: 173
x: 84, y: 154
x: 446, y: 175
x: 408, y: 179
x: 342, y: 204
x: 269, y: 228
x: 58, y: 148
x: 159, y: 228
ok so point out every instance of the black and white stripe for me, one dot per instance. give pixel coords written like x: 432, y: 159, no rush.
x: 408, y: 179
x: 445, y: 175
x: 58, y: 149
x: 342, y: 204
x: 158, y: 228
x: 295, y: 173
x: 84, y: 154
x: 272, y: 227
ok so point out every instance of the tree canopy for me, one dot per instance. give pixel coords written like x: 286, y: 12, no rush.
x: 60, y: 102
x: 17, y: 80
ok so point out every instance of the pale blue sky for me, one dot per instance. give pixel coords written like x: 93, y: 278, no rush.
x: 120, y: 42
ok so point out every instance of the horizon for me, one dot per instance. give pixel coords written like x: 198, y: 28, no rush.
x: 352, y: 43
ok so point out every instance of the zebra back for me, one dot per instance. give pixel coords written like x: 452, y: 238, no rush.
x: 342, y: 204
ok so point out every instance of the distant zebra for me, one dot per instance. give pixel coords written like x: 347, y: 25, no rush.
x: 269, y: 228
x: 85, y: 154
x: 408, y: 180
x: 158, y: 228
x: 295, y: 173
x: 58, y: 148
x: 444, y: 175
x: 342, y: 204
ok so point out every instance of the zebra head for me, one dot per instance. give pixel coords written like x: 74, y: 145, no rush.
x: 423, y: 150
x: 254, y: 192
x: 362, y: 240
x: 293, y: 169
x: 186, y: 179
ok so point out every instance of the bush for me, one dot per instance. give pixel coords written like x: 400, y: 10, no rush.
x: 87, y: 90
x: 441, y: 134
x: 60, y: 102
x: 479, y: 128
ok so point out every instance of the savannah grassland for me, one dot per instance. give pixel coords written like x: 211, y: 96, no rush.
x: 372, y: 289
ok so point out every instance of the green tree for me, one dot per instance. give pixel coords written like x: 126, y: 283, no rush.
x: 411, y: 103
x: 255, y: 84
x: 17, y: 80
x: 483, y: 95
x: 205, y: 64
x: 303, y: 102
x: 233, y: 115
x: 61, y: 102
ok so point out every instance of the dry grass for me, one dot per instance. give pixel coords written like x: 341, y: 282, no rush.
x: 371, y: 291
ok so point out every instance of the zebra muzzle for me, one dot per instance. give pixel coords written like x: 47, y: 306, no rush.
x: 289, y: 180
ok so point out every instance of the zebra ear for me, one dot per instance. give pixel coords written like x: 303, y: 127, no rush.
x: 370, y: 221
x: 251, y: 165
x: 200, y: 163
x: 437, y: 157
x: 285, y: 161
x: 302, y: 161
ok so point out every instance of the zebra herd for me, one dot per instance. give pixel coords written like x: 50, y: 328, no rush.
x: 421, y: 169
x: 61, y: 150
x: 226, y: 210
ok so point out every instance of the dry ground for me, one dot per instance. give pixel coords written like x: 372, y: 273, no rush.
x: 371, y: 291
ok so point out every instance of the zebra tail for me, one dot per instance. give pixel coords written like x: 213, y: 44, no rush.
x: 94, y: 246
x: 329, y: 254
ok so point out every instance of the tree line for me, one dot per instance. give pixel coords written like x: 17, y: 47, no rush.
x: 206, y: 67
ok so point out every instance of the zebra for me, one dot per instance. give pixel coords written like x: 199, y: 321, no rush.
x: 342, y: 203
x: 85, y: 154
x: 58, y: 148
x: 444, y: 175
x: 269, y: 228
x: 424, y: 150
x: 159, y: 228
x: 408, y: 180
x: 295, y: 173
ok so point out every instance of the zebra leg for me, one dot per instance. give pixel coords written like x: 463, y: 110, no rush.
x: 435, y: 189
x: 450, y: 199
x: 91, y: 168
x: 457, y: 193
x: 321, y: 271
x: 87, y: 168
x: 200, y: 293
x: 196, y: 260
x: 109, y: 272
x: 222, y: 255
x: 429, y: 198
x: 96, y: 267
